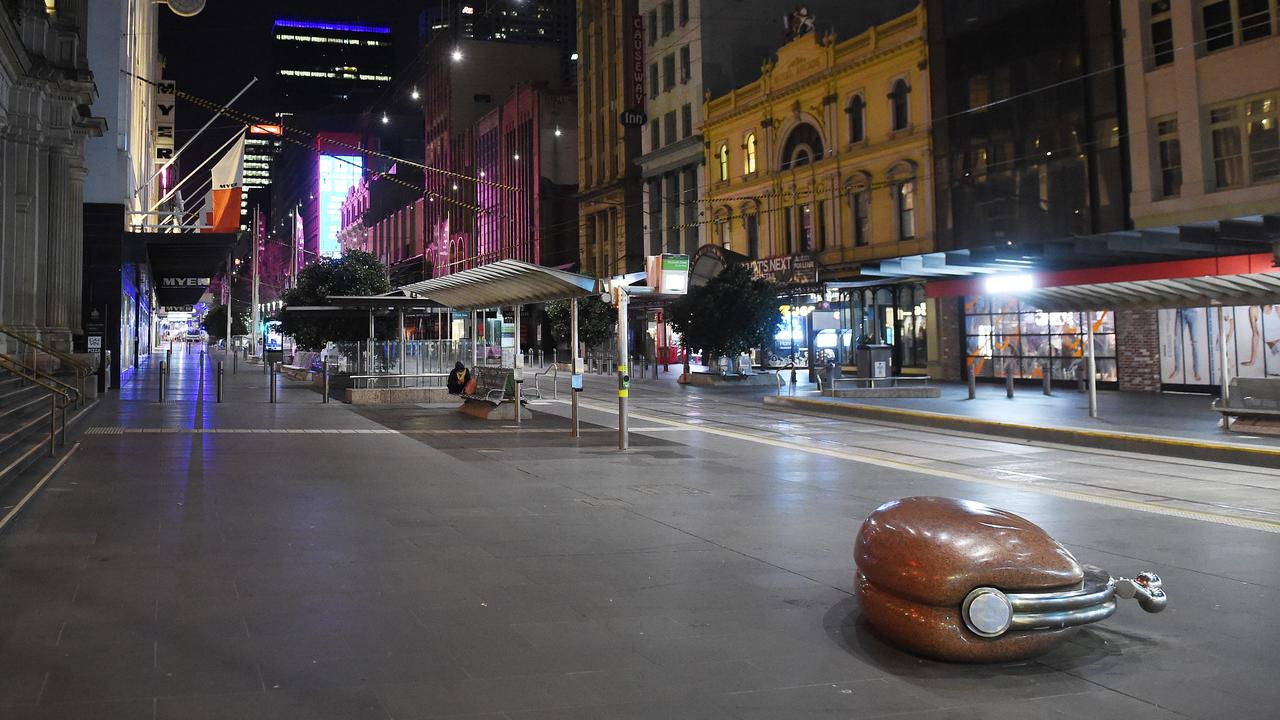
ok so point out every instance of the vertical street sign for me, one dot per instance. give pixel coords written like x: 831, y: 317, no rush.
x: 637, y: 63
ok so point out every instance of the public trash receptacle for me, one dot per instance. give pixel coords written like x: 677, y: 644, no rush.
x: 874, y: 361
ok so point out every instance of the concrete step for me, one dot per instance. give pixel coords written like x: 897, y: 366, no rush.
x: 25, y: 458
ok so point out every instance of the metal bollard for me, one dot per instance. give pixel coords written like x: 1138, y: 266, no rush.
x: 235, y: 358
x: 1008, y: 384
x: 219, y: 381
x: 831, y: 377
x: 163, y: 374
x: 1048, y: 382
x: 272, y: 381
x: 324, y: 373
x: 973, y: 382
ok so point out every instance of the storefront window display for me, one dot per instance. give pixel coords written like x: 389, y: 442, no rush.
x: 1189, y: 353
x: 1004, y: 336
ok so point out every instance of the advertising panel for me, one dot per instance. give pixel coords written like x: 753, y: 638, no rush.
x: 338, y: 174
x: 1189, y: 344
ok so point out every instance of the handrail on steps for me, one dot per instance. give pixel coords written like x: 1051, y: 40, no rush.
x: 44, y: 380
x: 82, y: 369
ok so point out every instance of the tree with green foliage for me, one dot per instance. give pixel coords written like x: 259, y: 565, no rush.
x: 356, y: 273
x: 731, y: 314
x: 596, y: 320
x: 215, y: 322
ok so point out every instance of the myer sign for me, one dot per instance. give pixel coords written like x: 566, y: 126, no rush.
x: 181, y: 282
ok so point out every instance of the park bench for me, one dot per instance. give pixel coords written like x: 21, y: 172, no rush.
x: 494, y: 395
x: 1251, y: 398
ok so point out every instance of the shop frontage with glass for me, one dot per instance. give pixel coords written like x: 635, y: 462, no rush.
x: 1005, y: 336
x: 894, y: 315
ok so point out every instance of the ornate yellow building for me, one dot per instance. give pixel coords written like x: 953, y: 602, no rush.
x: 827, y: 156
x: 828, y: 152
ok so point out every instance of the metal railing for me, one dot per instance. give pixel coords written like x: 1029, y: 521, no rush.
x: 39, y: 358
x: 67, y: 394
x: 550, y: 374
x: 831, y: 384
x: 399, y: 380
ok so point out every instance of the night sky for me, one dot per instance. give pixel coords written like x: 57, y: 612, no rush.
x: 216, y: 52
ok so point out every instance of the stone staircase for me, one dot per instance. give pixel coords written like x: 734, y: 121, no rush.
x: 25, y: 458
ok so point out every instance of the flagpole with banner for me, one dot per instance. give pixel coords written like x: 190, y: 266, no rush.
x: 226, y: 190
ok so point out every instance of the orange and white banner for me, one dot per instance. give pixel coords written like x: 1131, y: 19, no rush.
x: 224, y: 197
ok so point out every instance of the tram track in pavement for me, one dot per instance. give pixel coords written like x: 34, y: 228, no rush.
x: 1234, y: 515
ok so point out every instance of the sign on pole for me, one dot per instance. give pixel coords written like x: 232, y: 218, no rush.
x: 667, y: 274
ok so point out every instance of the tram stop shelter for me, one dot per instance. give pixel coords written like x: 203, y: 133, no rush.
x: 370, y: 306
x: 510, y: 283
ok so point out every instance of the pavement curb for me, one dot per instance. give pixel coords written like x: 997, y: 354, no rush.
x: 1104, y: 439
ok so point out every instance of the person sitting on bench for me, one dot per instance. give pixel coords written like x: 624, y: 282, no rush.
x: 459, y: 379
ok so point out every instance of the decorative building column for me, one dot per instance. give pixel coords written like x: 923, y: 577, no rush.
x: 75, y: 270
x: 58, y: 250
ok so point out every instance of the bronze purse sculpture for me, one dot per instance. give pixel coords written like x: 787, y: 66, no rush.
x: 961, y: 581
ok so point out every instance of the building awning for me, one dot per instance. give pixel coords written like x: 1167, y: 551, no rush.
x: 183, y: 264
x: 506, y: 282
x: 1233, y: 280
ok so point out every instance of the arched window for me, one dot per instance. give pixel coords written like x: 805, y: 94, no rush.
x: 857, y: 119
x: 898, y: 105
x: 803, y: 146
x: 749, y: 162
x: 724, y: 163
x: 858, y: 192
x: 902, y: 183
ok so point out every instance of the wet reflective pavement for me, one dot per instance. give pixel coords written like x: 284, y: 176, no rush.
x: 303, y: 560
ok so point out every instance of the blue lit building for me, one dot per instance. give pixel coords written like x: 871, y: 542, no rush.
x: 327, y: 66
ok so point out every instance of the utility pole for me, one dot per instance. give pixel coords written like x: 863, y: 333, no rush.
x: 253, y: 258
x: 293, y: 268
x: 230, y: 279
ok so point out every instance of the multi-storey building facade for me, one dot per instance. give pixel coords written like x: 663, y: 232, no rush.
x: 1203, y: 92
x: 610, y: 39
x: 531, y: 22
x: 46, y: 88
x: 824, y: 163
x: 473, y: 163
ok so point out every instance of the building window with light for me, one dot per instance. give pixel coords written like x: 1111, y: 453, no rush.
x: 1245, y: 142
x: 857, y: 119
x: 899, y: 107
x: 749, y: 159
x: 724, y: 163
x: 1170, y: 156
x: 1161, y: 26
x: 902, y: 183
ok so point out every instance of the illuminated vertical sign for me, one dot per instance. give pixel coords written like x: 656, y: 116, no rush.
x: 165, y: 96
x: 637, y: 63
x: 338, y: 174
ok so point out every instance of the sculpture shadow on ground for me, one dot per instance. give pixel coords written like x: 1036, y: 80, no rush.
x: 1097, y: 648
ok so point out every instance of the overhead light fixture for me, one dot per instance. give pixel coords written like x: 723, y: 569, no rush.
x: 516, y: 156
x: 558, y: 133
x: 385, y: 119
x: 415, y: 95
x: 456, y: 54
x: 1003, y: 284
x: 573, y: 56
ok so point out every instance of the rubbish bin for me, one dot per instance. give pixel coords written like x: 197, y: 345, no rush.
x: 874, y: 361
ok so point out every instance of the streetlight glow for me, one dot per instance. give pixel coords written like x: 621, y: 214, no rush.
x: 456, y: 54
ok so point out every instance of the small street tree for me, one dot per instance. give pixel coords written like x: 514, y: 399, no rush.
x: 215, y: 322
x: 356, y: 273
x: 733, y: 313
x: 596, y: 320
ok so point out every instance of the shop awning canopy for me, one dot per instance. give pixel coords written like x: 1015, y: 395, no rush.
x: 182, y: 264
x: 1234, y: 280
x: 1248, y: 289
x: 506, y: 282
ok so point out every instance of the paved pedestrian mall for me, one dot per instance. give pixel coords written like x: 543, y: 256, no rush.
x: 246, y: 560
